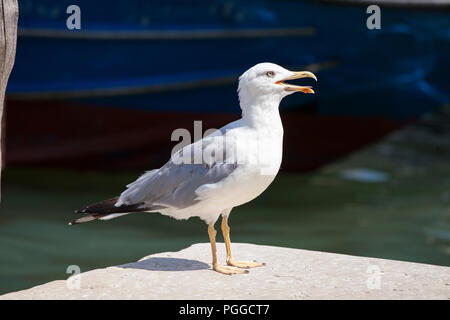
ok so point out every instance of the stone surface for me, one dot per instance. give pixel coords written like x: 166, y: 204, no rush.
x: 288, y: 274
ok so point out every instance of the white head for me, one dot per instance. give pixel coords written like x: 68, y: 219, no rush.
x: 264, y: 82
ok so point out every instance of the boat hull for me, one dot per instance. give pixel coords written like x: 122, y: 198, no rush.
x: 109, y: 95
x: 99, y: 138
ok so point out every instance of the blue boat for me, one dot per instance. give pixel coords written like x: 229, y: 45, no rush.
x: 185, y: 56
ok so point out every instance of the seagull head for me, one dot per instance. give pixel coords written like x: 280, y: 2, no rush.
x: 268, y: 81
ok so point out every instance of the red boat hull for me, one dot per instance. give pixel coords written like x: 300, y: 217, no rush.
x: 57, y: 134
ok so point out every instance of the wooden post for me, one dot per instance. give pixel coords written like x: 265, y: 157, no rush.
x: 9, y: 14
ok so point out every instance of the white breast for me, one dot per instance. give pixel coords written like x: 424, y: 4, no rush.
x: 259, y: 158
x: 259, y: 155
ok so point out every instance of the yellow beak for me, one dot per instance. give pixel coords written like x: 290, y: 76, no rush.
x: 298, y: 75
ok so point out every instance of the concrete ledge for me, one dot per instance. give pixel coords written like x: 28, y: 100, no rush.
x: 289, y: 274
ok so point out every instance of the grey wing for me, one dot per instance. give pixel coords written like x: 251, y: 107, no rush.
x: 174, y: 184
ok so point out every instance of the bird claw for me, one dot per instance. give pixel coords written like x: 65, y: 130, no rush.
x: 245, y: 264
x: 228, y: 270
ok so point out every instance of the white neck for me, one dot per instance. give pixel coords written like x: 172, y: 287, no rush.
x: 261, y: 111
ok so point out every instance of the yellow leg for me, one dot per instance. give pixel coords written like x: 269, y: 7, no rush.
x: 230, y: 260
x: 216, y: 266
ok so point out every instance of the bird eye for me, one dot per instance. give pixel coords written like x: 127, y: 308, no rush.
x: 270, y: 74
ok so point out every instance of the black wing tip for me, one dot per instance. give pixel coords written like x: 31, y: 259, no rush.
x: 105, y: 206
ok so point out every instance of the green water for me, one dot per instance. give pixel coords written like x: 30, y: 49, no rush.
x: 406, y: 218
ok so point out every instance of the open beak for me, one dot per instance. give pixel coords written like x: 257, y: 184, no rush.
x: 298, y: 75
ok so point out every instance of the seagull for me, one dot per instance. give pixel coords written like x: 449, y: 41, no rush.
x: 227, y: 168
